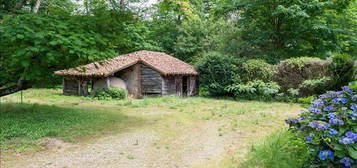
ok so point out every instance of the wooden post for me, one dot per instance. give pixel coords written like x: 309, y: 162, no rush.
x: 139, y: 81
x: 21, y: 97
x: 107, y: 82
x: 79, y: 88
x: 178, y: 84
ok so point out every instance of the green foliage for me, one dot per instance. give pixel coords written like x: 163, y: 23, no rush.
x: 257, y: 69
x: 216, y: 73
x: 254, y: 89
x: 195, y: 38
x: 109, y: 93
x: 292, y: 72
x: 293, y: 92
x: 353, y: 85
x: 306, y: 100
x: 300, y: 62
x: 315, y: 86
x: 282, y: 149
x: 277, y: 30
x: 329, y: 125
x: 342, y: 70
x: 35, y: 45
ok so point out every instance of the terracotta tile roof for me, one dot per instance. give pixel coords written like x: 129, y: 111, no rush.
x: 161, y: 62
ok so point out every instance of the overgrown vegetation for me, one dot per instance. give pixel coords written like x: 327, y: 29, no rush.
x: 284, y: 81
x: 282, y: 149
x: 254, y: 89
x: 110, y: 93
x: 216, y: 73
x: 342, y: 70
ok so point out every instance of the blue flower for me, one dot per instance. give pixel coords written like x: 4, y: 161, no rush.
x: 326, y: 95
x: 333, y: 131
x: 314, y: 110
x: 347, y: 89
x: 339, y: 92
x: 301, y: 118
x: 323, y: 126
x: 331, y: 115
x: 351, y: 135
x: 335, y: 119
x: 343, y: 100
x: 346, y: 141
x: 318, y: 125
x: 354, y: 107
x: 328, y: 108
x: 318, y: 103
x: 326, y: 154
x: 354, y: 98
x: 340, y: 100
x: 353, y: 116
x: 349, y: 138
x: 347, y: 161
x: 314, y: 124
x: 335, y: 101
x: 309, y: 138
x: 292, y: 121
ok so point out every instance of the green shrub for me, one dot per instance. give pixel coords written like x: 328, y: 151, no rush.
x: 257, y: 69
x: 330, y: 129
x: 282, y: 149
x: 353, y: 85
x: 110, y: 93
x: 315, y: 86
x: 254, y: 89
x: 342, y: 70
x: 306, y: 100
x: 292, y: 72
x: 216, y: 73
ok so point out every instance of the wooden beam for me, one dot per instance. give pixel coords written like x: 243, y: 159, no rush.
x: 79, y: 88
x: 107, y: 81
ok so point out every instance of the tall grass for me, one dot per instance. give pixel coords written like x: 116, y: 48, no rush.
x: 280, y: 150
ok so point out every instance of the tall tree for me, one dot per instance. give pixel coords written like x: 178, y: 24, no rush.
x: 276, y: 29
x: 36, y: 44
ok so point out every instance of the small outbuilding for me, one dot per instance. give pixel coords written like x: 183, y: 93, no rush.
x: 140, y: 73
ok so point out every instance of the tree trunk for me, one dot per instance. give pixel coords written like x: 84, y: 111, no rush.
x: 21, y: 85
x: 37, y: 6
x: 10, y: 90
x: 19, y: 5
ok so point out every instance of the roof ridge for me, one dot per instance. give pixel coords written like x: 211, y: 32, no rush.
x: 160, y: 61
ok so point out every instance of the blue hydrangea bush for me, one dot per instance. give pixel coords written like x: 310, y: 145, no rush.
x: 329, y: 127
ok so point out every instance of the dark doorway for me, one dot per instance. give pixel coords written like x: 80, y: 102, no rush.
x: 184, y: 85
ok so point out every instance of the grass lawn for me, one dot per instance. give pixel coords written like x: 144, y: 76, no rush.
x: 204, y: 132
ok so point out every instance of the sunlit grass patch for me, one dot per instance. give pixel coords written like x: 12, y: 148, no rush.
x: 280, y: 150
x: 22, y: 124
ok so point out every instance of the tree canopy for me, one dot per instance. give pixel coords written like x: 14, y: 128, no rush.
x: 40, y: 36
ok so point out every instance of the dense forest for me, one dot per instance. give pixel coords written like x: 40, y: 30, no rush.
x: 38, y: 37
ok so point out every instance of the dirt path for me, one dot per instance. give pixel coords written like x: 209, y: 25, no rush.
x: 145, y: 148
x: 137, y: 148
x: 186, y: 137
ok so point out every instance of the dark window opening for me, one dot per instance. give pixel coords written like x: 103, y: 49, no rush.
x: 184, y: 85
